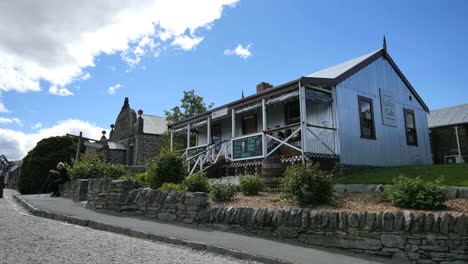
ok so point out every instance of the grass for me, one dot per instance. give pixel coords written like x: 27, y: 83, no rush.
x: 454, y: 174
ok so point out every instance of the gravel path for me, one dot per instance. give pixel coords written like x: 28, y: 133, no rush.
x: 29, y: 239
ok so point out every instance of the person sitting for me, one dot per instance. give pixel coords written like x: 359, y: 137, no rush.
x: 57, y: 177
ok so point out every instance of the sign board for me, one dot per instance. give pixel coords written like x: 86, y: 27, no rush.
x: 247, y: 147
x: 387, y: 102
x: 219, y: 113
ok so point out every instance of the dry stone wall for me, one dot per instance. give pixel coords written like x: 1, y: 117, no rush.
x: 76, y: 190
x: 418, y: 237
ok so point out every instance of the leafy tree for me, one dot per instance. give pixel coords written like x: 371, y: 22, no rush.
x: 44, y: 157
x: 191, y: 105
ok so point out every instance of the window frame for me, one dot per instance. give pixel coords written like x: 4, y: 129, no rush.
x: 411, y: 112
x: 361, y: 121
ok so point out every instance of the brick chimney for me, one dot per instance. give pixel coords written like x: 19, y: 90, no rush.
x: 263, y: 86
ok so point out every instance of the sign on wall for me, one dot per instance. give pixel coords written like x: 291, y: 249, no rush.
x: 387, y: 102
x: 219, y: 113
x: 247, y: 147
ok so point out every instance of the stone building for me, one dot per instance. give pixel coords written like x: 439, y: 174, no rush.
x: 134, y: 138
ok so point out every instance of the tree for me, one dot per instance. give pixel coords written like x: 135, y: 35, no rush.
x: 44, y: 157
x: 191, y: 104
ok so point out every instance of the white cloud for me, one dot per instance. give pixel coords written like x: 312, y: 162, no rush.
x: 85, y: 76
x: 37, y: 126
x: 240, y: 51
x: 16, y: 144
x: 55, y: 42
x: 14, y: 120
x: 112, y: 89
x: 186, y: 42
x: 3, y: 108
x: 60, y: 91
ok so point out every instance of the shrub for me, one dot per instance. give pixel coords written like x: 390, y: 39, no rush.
x: 197, y: 183
x: 167, y: 167
x: 307, y: 185
x: 221, y: 192
x: 418, y: 193
x: 251, y: 184
x: 94, y: 167
x: 139, y: 178
x: 44, y: 157
x: 173, y: 187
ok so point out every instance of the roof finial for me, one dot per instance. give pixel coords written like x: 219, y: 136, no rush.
x: 384, y: 43
x: 126, y: 104
x: 242, y: 94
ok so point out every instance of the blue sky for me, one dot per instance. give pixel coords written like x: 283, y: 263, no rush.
x: 287, y: 39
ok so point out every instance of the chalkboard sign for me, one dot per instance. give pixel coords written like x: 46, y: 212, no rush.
x: 247, y: 147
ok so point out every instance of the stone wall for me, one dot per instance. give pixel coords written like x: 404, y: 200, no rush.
x: 76, y: 190
x: 104, y: 193
x: 152, y: 145
x: 166, y: 206
x: 419, y: 237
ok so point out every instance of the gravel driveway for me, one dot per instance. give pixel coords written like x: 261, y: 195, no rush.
x: 29, y: 239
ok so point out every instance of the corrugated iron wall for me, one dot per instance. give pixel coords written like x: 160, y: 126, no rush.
x: 390, y: 147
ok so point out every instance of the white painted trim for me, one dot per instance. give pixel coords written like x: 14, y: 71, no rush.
x: 188, y: 136
x: 302, y: 115
x: 458, y: 141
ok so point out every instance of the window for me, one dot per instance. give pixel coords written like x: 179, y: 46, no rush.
x: 249, y: 124
x: 410, y: 127
x: 292, y: 113
x: 366, y: 116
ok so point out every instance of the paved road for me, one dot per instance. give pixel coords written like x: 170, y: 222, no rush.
x: 28, y: 239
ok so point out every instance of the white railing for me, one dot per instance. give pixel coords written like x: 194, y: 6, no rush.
x: 209, y: 156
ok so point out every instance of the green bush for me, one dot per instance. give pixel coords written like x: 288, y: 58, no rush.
x: 44, y: 157
x: 221, y: 192
x: 94, y: 167
x: 417, y: 193
x: 167, y: 167
x: 173, y: 187
x: 251, y: 184
x: 197, y: 183
x: 307, y: 185
x: 139, y: 178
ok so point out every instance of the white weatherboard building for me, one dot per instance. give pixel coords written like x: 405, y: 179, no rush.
x: 360, y: 112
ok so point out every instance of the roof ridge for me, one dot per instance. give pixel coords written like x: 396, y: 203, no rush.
x: 450, y: 107
x: 355, y: 61
x: 153, y: 115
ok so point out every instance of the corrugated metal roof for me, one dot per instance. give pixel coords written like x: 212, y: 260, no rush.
x: 154, y: 124
x: 448, y: 116
x: 337, y: 70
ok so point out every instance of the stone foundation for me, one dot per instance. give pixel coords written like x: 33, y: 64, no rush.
x: 418, y: 237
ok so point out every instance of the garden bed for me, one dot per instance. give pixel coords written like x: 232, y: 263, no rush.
x: 344, y: 202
